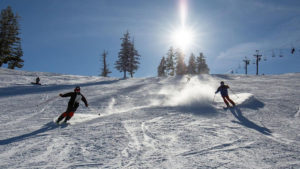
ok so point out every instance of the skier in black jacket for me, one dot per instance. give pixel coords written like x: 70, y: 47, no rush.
x: 224, y: 93
x: 73, y: 104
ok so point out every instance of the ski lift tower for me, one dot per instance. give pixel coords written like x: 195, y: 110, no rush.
x: 247, y: 62
x: 258, y: 58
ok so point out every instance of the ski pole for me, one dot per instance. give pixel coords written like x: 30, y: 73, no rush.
x: 53, y: 98
x: 214, y: 98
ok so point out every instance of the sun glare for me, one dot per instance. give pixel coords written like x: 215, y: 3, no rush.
x: 182, y: 38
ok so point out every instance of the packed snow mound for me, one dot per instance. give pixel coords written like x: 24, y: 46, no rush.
x: 245, y: 100
x: 248, y: 100
x: 238, y: 98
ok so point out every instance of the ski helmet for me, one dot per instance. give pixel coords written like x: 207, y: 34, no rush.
x: 222, y: 83
x: 77, y: 89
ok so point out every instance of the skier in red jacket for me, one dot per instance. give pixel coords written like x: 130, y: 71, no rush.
x: 73, y: 104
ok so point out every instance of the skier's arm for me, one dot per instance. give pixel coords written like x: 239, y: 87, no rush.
x: 66, y: 95
x: 217, y: 90
x: 85, y: 101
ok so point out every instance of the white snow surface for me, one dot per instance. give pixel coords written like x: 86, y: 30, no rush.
x: 150, y: 122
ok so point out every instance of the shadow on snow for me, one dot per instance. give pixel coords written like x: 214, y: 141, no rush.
x: 47, y: 127
x: 242, y: 120
x: 205, y: 110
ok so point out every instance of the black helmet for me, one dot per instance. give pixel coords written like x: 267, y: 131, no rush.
x: 77, y: 89
x: 222, y: 83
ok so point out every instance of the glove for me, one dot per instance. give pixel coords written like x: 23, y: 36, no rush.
x: 86, y: 105
x: 60, y: 95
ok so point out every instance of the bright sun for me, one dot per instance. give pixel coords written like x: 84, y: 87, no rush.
x: 182, y: 38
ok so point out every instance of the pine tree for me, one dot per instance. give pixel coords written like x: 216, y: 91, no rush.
x: 180, y: 64
x: 202, y: 67
x: 161, y: 70
x: 10, y: 43
x: 192, y: 66
x: 123, y: 58
x: 105, y: 70
x: 134, y: 58
x: 170, y: 62
x: 15, y: 60
x: 128, y: 58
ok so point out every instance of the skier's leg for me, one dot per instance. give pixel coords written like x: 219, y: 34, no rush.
x: 69, y: 116
x: 227, y: 97
x: 71, y: 112
x: 63, y: 115
x: 225, y: 101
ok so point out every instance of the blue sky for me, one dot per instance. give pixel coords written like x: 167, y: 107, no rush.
x: 69, y: 36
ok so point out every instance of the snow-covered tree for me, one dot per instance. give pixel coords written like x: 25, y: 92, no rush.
x: 105, y: 70
x: 202, y: 67
x: 180, y: 64
x: 170, y: 62
x: 192, y: 66
x: 10, y: 42
x: 161, y: 70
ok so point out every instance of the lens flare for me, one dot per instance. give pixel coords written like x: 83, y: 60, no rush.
x: 182, y: 11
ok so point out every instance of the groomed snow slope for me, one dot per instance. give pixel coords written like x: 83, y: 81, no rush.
x: 150, y: 122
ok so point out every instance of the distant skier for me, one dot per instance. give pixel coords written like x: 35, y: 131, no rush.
x: 37, y: 81
x: 73, y: 104
x: 224, y: 93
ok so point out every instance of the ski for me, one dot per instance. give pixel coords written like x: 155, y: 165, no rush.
x: 36, y: 83
x: 62, y: 124
x: 229, y: 107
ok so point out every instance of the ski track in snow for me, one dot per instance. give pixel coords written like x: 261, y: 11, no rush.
x: 150, y: 122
